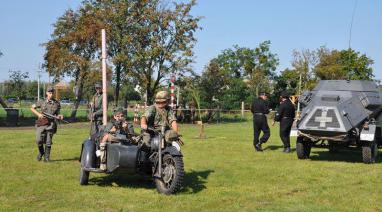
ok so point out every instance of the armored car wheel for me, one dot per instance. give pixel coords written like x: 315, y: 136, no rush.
x: 369, y: 152
x: 172, y: 175
x: 302, y: 148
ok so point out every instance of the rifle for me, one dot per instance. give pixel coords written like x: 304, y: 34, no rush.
x: 54, y: 117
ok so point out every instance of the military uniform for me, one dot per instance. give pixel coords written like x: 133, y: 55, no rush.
x: 96, y: 112
x: 46, y: 129
x: 260, y: 123
x: 158, y: 117
x: 109, y: 126
x: 285, y: 115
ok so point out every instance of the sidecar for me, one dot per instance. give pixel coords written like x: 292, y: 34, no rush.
x: 127, y: 157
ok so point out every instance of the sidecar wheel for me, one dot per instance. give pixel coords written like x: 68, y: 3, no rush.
x: 172, y: 175
x: 84, y: 177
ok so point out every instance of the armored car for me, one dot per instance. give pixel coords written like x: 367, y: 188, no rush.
x: 340, y: 113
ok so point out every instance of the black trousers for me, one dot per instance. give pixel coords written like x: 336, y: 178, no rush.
x: 285, y: 128
x: 260, y: 124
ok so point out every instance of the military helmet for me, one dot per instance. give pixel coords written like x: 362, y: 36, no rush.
x: 161, y: 96
x: 263, y: 93
x: 118, y: 110
x: 97, y: 85
x: 284, y: 94
x: 50, y: 89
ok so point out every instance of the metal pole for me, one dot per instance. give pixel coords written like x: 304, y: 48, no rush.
x: 177, y: 95
x: 104, y: 91
x: 299, y: 94
x: 43, y: 90
x: 38, y: 85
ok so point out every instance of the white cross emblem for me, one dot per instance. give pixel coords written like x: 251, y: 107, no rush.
x: 323, y: 118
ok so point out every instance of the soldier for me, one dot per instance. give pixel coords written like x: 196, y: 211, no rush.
x: 157, y: 115
x: 285, y: 115
x: 45, y: 126
x: 117, y: 126
x: 96, y: 110
x: 259, y: 109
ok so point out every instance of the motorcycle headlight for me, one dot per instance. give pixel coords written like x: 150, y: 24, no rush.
x: 176, y: 145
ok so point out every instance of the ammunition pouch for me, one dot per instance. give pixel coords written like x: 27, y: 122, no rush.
x: 42, y: 122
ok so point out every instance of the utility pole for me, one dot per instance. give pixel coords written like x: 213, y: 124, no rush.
x: 299, y: 94
x: 38, y: 82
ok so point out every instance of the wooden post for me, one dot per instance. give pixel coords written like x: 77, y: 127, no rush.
x: 242, y: 109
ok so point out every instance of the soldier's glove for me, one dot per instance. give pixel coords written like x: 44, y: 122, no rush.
x: 180, y: 142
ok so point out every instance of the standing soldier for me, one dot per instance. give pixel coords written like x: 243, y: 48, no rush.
x: 157, y: 115
x: 96, y: 110
x: 259, y: 109
x: 285, y: 115
x: 46, y: 127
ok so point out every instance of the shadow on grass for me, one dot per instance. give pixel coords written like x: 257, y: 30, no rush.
x: 67, y: 159
x: 272, y: 147
x: 350, y: 155
x: 194, y: 181
x: 123, y: 180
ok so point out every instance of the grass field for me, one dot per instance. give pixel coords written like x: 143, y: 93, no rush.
x: 223, y: 173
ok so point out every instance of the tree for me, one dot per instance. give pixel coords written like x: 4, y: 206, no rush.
x: 234, y: 70
x: 73, y: 46
x: 161, y: 43
x: 17, y: 83
x: 344, y: 64
x: 259, y: 66
x: 303, y: 63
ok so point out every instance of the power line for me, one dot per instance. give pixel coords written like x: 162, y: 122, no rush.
x: 351, y: 23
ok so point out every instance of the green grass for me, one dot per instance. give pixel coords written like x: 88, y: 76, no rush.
x: 223, y: 173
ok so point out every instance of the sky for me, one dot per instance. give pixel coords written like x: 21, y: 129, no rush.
x: 288, y: 24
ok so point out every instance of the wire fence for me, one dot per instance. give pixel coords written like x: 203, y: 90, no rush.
x: 24, y: 115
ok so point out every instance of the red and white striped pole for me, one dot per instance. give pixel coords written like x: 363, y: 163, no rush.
x: 172, y: 88
x: 136, y: 121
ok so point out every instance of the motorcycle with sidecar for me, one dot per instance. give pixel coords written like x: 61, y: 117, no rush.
x: 162, y: 160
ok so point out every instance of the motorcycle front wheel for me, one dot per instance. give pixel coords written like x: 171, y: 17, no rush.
x: 172, y: 175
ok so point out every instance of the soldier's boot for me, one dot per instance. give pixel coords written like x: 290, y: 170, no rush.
x: 47, y: 154
x: 287, y: 149
x: 258, y: 147
x: 102, y: 148
x: 40, y: 153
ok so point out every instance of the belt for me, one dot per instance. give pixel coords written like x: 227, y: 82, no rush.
x: 258, y: 113
x: 287, y: 117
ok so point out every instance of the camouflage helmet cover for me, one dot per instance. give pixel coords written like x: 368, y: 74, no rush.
x: 118, y: 111
x: 161, y: 96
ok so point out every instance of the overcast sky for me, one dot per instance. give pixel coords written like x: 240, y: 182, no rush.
x: 288, y: 24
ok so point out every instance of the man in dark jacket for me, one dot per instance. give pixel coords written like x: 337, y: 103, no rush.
x: 260, y: 123
x: 285, y: 115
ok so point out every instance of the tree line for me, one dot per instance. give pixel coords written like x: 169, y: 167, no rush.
x: 148, y: 41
